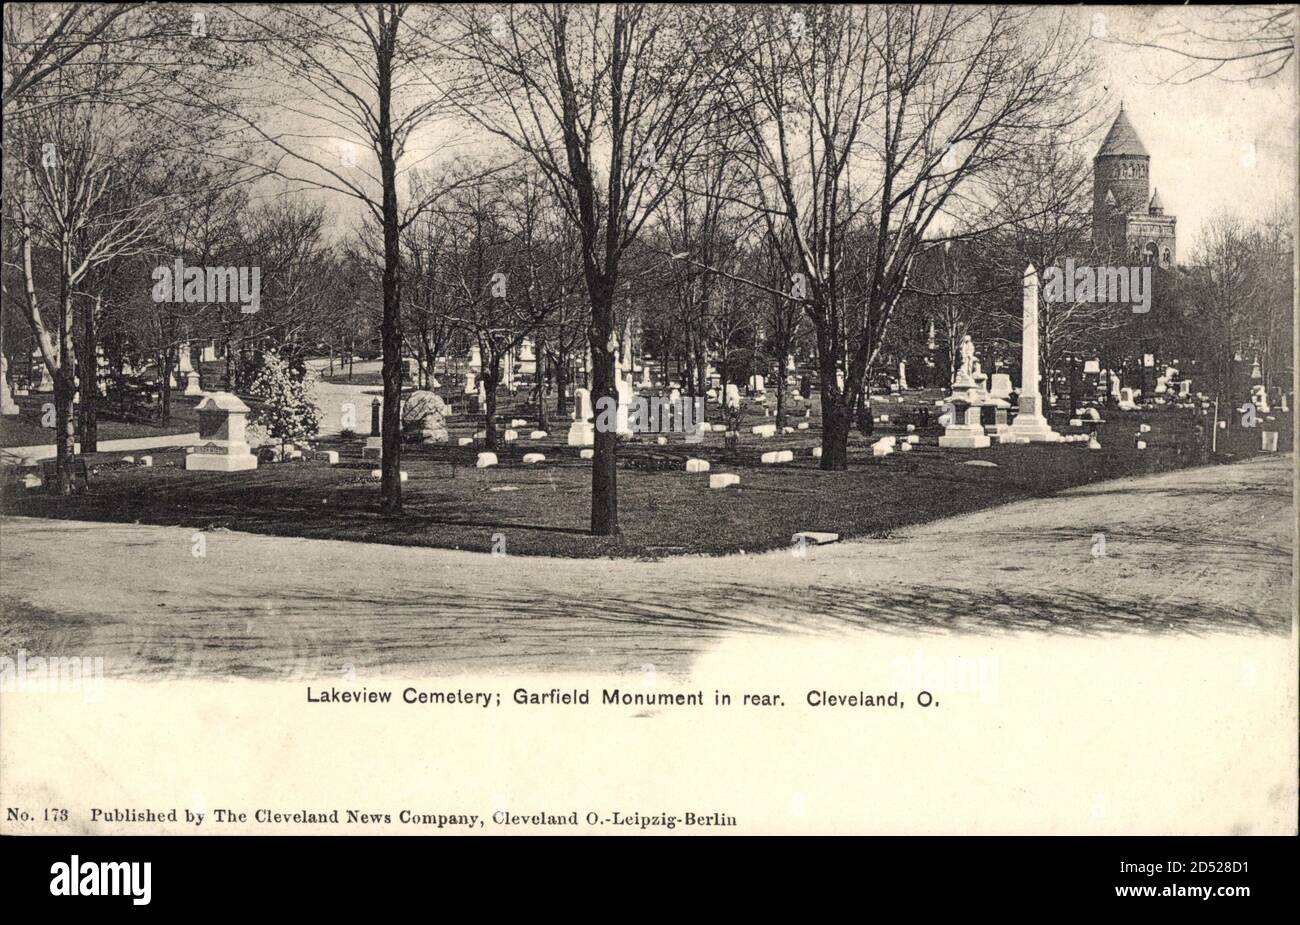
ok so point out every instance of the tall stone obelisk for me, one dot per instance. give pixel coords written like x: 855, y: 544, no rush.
x: 1030, y: 424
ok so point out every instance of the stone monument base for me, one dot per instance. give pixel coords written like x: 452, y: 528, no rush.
x: 1034, y: 428
x: 962, y: 437
x: 1030, y: 423
x: 1000, y: 425
x: 582, y: 433
x: 966, y: 436
x: 221, y: 457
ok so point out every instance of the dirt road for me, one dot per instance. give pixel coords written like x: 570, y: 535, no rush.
x: 1191, y: 552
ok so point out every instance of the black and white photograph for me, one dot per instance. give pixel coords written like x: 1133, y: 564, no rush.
x: 595, y: 419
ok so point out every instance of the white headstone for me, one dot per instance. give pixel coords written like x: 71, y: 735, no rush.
x: 1000, y: 386
x: 625, y: 399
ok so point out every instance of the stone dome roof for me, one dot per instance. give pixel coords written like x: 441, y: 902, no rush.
x: 1122, y: 139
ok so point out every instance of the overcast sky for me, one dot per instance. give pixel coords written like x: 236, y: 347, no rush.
x: 1214, y: 145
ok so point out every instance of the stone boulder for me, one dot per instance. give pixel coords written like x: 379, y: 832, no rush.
x: 424, y: 418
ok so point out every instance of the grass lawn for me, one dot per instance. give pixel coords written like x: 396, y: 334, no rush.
x: 24, y: 429
x: 544, y: 509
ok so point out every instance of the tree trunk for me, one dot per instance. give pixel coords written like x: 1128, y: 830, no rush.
x: 390, y: 487
x: 539, y: 354
x: 604, y: 468
x: 65, y: 387
x: 836, y: 421
x: 561, y: 384
x: 837, y: 412
x: 782, y: 357
x: 65, y: 390
x: 491, y: 379
x: 1075, y: 385
x: 165, y: 385
x: 862, y: 408
x: 89, y: 409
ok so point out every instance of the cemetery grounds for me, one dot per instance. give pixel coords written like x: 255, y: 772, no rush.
x: 493, y: 569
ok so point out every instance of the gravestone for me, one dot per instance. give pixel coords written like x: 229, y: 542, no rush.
x: 582, y: 432
x: 1000, y: 386
x: 222, y: 446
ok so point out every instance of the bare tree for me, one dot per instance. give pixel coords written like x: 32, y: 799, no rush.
x: 1231, y: 43
x: 348, y: 100
x: 872, y: 123
x: 1045, y: 202
x: 1226, y: 288
x: 41, y: 40
x: 61, y: 197
x: 610, y: 102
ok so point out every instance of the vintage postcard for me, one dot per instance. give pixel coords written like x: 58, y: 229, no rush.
x: 513, y: 419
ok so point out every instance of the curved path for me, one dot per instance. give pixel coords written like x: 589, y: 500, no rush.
x: 333, y: 397
x: 1192, y: 552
